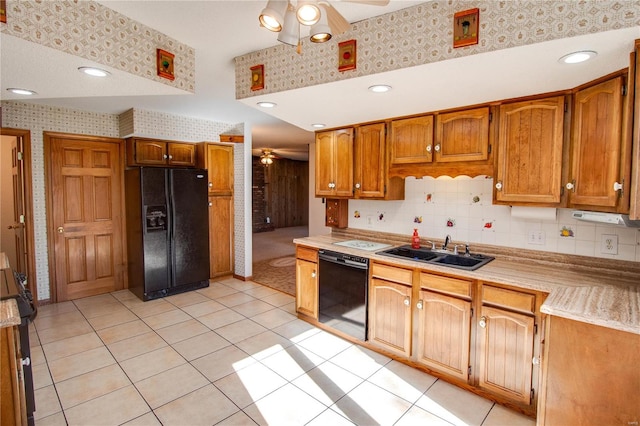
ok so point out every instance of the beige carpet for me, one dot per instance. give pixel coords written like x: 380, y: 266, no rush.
x: 279, y: 273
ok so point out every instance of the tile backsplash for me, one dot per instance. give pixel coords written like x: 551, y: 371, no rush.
x: 461, y: 207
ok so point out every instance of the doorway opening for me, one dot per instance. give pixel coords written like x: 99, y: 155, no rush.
x: 280, y: 205
x: 16, y: 216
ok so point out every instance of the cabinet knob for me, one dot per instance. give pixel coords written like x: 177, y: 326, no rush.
x: 499, y: 185
x: 617, y: 186
x: 420, y: 304
x: 170, y: 157
x: 428, y: 148
x: 407, y: 301
x: 210, y: 204
x: 535, y: 360
x: 437, y: 148
x: 483, y: 322
x: 313, y: 274
x: 26, y: 361
x: 571, y: 186
x: 210, y: 184
x: 165, y: 156
x: 357, y: 185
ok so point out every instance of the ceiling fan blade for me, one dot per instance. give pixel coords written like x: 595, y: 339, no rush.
x: 336, y: 21
x: 371, y: 2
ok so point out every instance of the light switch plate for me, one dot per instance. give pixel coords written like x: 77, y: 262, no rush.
x: 609, y: 244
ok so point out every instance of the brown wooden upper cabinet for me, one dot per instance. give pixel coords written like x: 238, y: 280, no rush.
x: 530, y: 149
x: 334, y: 163
x: 219, y: 165
x: 371, y: 177
x: 600, y: 148
x: 151, y: 152
x: 411, y: 140
x: 462, y: 136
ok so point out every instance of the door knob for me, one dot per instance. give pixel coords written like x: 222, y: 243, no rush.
x: 60, y: 229
x: 13, y: 227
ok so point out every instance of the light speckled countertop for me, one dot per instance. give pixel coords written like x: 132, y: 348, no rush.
x: 590, y: 291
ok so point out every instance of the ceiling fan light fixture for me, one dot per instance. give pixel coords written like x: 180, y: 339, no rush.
x: 94, y: 72
x: 308, y: 12
x: 290, y: 33
x: 18, y: 91
x: 271, y: 15
x: 320, y: 32
x: 577, y: 57
x: 267, y: 157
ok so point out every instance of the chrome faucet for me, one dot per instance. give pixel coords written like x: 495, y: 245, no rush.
x: 447, y: 240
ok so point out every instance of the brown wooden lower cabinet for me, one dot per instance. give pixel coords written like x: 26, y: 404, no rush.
x: 444, y: 330
x: 12, y: 402
x: 220, y: 235
x: 390, y: 316
x: 591, y: 375
x: 307, y: 282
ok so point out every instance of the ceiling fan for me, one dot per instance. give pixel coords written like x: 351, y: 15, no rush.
x: 323, y: 20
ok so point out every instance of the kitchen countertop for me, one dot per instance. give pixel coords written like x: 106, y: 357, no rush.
x: 606, y: 294
x: 9, y: 314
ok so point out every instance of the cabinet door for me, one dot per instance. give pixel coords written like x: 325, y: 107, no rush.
x: 150, y: 152
x: 369, y: 150
x: 324, y: 164
x: 597, y: 145
x: 307, y: 288
x: 411, y: 140
x: 343, y: 159
x: 220, y: 169
x: 220, y: 235
x: 530, y: 151
x: 444, y: 333
x: 506, y: 353
x: 181, y: 154
x: 462, y: 136
x: 390, y: 316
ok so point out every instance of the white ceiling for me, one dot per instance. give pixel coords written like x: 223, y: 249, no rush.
x: 221, y: 30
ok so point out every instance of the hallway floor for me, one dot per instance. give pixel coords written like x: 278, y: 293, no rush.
x: 230, y: 354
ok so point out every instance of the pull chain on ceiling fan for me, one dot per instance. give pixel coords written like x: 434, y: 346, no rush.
x: 322, y: 18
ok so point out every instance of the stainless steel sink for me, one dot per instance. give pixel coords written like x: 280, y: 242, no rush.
x: 468, y: 262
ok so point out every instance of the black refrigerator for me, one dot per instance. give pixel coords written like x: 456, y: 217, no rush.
x: 167, y: 230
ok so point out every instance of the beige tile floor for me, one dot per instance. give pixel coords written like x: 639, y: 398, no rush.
x: 230, y: 354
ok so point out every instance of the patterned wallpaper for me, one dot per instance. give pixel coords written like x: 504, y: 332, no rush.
x: 42, y: 118
x: 90, y: 30
x: 423, y: 34
x: 161, y: 125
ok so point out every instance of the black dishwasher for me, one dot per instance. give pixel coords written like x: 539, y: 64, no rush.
x: 343, y: 292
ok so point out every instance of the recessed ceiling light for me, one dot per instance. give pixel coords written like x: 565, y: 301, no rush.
x: 94, y: 72
x: 17, y: 91
x: 577, y: 57
x: 267, y: 104
x: 318, y: 125
x: 379, y: 88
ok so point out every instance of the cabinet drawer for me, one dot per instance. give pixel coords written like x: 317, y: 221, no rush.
x: 306, y: 253
x: 445, y: 284
x: 508, y: 298
x: 392, y: 273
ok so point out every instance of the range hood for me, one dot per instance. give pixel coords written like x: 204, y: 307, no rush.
x: 605, y: 218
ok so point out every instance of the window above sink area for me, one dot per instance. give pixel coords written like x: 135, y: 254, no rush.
x: 468, y: 262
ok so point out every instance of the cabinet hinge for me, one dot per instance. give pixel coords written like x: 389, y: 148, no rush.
x: 561, y: 190
x: 20, y: 156
x: 624, y: 90
x: 535, y: 328
x: 566, y: 107
x: 469, y: 371
x: 490, y: 117
x: 471, y: 315
x: 489, y: 150
x: 531, y: 394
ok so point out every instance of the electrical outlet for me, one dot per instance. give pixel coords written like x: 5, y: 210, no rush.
x: 369, y: 220
x: 609, y: 244
x: 536, y: 236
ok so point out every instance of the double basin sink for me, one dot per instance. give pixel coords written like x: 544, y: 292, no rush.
x: 469, y: 262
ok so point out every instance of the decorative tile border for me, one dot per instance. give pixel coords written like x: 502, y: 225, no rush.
x: 423, y: 34
x: 90, y: 30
